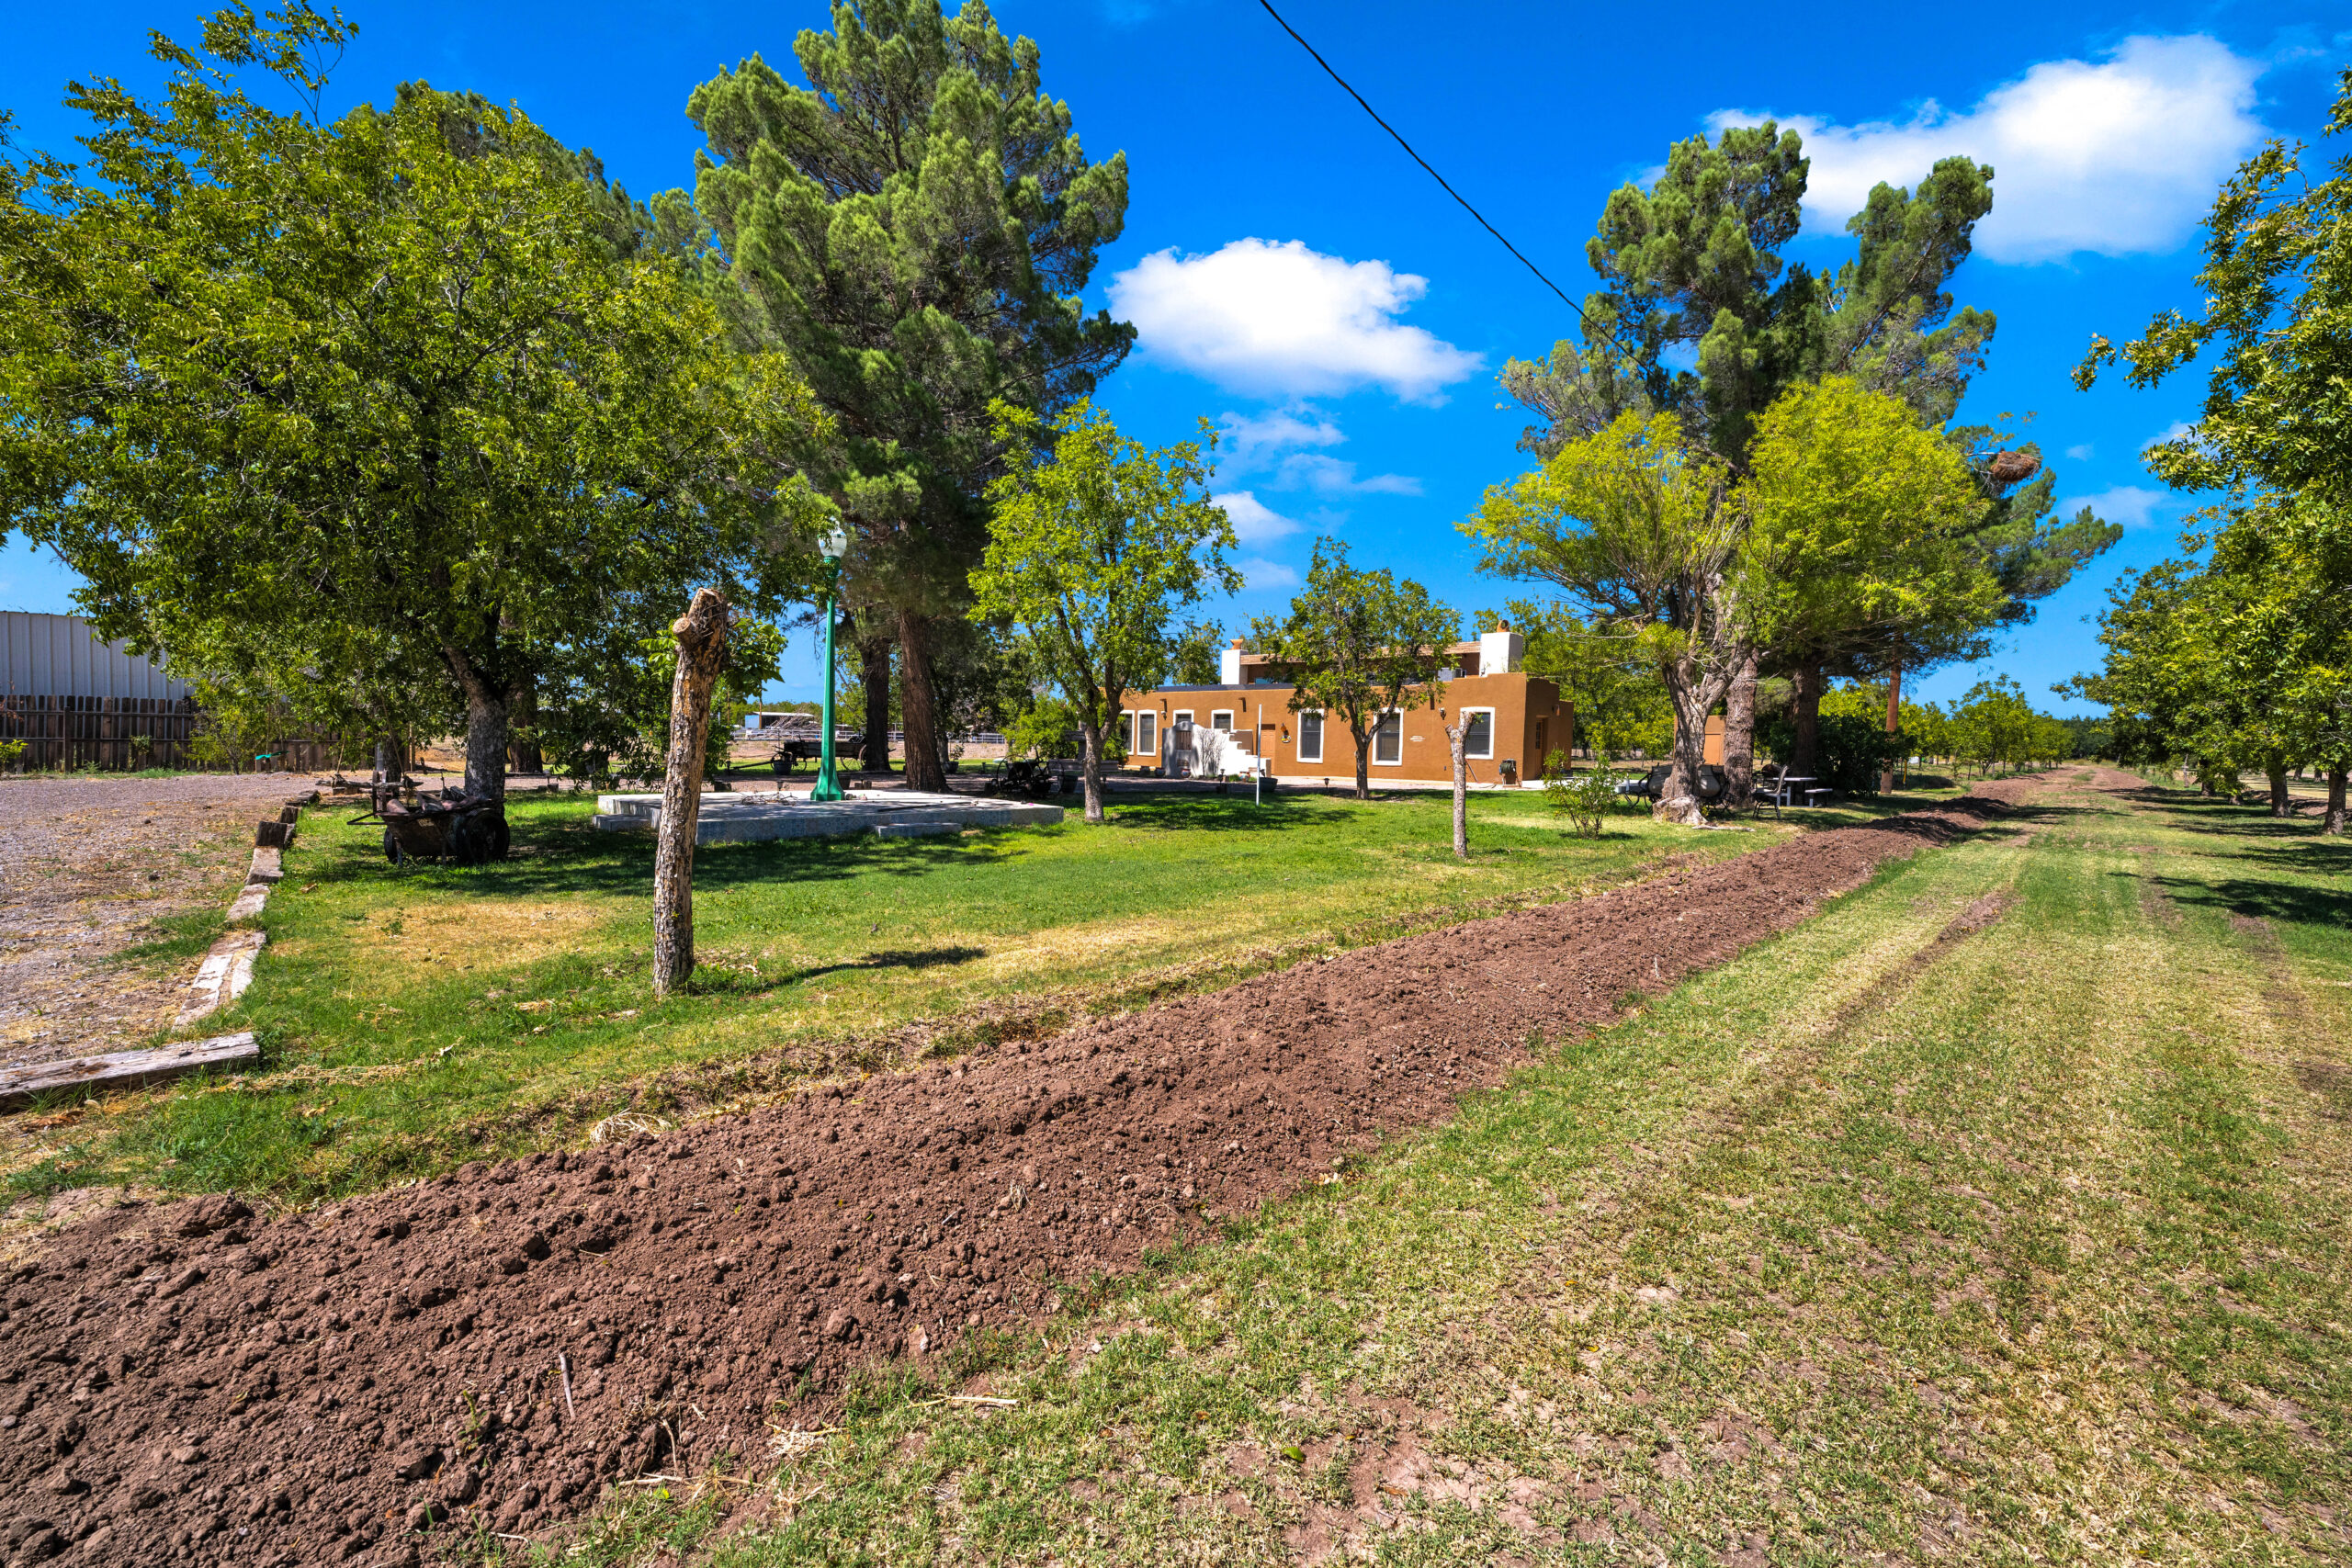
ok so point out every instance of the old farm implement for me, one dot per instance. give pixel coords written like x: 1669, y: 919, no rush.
x: 449, y: 828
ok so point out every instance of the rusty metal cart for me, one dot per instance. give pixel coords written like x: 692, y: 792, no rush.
x: 450, y: 829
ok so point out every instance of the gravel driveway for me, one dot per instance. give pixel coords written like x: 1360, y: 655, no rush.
x: 86, y: 865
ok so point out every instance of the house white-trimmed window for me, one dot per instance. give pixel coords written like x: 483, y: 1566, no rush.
x: 1221, y: 719
x: 1388, y: 740
x: 1127, y: 732
x: 1146, y: 735
x: 1478, y: 736
x: 1310, y: 735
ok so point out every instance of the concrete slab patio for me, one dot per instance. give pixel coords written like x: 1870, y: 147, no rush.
x: 746, y: 818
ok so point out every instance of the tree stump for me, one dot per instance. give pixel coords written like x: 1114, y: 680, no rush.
x: 702, y: 647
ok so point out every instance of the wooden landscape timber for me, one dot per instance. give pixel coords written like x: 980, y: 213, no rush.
x: 20, y: 1086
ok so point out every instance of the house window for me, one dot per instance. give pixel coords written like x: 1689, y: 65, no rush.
x: 1127, y: 733
x: 1222, y: 719
x: 1388, y: 740
x: 1478, y: 735
x: 1310, y: 737
x: 1147, y: 735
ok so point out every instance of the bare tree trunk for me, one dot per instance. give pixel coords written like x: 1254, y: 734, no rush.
x: 874, y: 674
x: 1894, y: 726
x: 2280, y: 805
x: 1693, y: 700
x: 523, y: 754
x: 1456, y: 736
x: 1740, y: 735
x: 1363, y: 759
x: 702, y: 645
x: 485, y: 741
x: 2333, y: 821
x: 1804, y: 718
x: 920, y: 717
x: 1089, y: 735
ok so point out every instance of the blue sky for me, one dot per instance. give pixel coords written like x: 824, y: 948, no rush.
x: 1302, y: 284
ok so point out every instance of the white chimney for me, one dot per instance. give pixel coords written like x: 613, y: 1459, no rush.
x: 1501, y: 650
x: 1229, y: 664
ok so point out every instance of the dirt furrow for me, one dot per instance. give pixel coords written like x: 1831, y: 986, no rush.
x: 195, y: 1383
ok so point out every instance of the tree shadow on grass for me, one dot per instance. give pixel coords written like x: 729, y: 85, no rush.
x: 1211, y: 813
x: 2284, y: 903
x: 715, y: 981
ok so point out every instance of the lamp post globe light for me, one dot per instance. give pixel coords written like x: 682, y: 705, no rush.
x: 832, y: 547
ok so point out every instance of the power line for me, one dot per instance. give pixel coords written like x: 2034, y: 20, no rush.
x: 1433, y: 173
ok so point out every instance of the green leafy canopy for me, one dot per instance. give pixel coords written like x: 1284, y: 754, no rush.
x: 1093, y: 544
x: 355, y: 411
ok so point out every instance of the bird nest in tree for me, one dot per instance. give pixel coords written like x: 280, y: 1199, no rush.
x: 2014, y: 468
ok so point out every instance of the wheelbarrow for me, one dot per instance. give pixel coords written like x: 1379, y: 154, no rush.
x: 465, y: 829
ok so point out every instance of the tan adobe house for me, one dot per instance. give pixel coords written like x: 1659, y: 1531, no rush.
x: 1516, y: 721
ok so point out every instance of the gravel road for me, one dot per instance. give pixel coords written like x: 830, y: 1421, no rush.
x: 87, y: 866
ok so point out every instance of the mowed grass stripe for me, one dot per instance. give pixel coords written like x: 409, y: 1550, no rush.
x: 2037, y: 1259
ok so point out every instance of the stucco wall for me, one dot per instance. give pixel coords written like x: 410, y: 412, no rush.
x: 1528, y: 720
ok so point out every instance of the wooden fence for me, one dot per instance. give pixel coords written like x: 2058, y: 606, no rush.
x: 61, y: 732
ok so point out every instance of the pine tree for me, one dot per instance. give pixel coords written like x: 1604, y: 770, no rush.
x: 914, y: 228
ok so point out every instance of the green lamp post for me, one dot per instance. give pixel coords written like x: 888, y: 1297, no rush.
x: 832, y: 547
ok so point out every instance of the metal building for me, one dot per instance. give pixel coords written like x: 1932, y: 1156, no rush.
x: 75, y: 700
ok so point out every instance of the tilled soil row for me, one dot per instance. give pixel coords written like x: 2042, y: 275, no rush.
x: 188, y: 1382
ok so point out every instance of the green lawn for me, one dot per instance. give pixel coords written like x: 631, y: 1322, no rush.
x: 1999, y: 1214
x: 415, y: 1019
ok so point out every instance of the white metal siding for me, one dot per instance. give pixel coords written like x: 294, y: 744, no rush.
x: 58, y: 656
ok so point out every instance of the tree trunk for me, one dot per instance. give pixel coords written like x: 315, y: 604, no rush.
x: 2280, y: 805
x: 523, y: 754
x: 2333, y: 821
x: 702, y: 645
x: 1363, y: 759
x: 1089, y: 735
x: 1456, y: 736
x: 1894, y: 726
x: 874, y: 674
x: 920, y: 719
x: 1693, y: 700
x: 1804, y: 718
x: 1740, y: 735
x: 485, y: 740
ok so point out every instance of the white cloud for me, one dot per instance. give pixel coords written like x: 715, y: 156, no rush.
x: 2080, y: 453
x: 1330, y: 475
x: 2134, y: 506
x: 1247, y: 440
x: 2116, y: 157
x: 1282, y: 319
x: 1270, y: 442
x: 2172, y: 431
x: 1256, y: 573
x: 1254, y: 522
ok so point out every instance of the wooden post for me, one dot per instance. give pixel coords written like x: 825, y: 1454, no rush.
x: 702, y: 644
x: 1894, y: 724
x: 1456, y: 737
